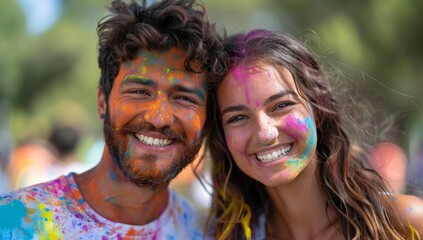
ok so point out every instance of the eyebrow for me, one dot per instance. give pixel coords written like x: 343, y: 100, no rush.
x: 197, y: 91
x: 267, y: 101
x: 279, y: 95
x: 137, y: 80
x: 235, y: 108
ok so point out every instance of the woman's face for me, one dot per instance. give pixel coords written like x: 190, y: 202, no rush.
x: 269, y: 129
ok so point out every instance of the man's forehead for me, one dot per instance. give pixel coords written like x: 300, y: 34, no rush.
x: 174, y: 57
x: 169, y: 64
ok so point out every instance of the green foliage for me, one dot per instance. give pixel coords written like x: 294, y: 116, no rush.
x: 54, y: 77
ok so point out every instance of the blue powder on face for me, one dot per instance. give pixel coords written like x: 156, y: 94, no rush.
x: 311, y: 140
x: 112, y: 175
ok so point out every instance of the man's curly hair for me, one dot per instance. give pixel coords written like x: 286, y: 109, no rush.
x: 162, y: 25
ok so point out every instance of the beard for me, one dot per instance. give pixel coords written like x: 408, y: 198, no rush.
x: 149, y: 173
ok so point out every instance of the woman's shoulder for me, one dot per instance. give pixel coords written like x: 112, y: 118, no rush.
x: 410, y: 209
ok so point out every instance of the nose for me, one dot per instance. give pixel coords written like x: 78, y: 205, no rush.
x: 159, y: 114
x: 266, y: 131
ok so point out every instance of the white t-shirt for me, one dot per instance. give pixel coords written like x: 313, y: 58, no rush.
x: 56, y: 210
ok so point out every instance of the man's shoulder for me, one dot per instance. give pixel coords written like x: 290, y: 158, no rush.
x: 29, y: 212
x: 35, y: 194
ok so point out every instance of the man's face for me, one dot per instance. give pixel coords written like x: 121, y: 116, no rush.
x: 155, y: 116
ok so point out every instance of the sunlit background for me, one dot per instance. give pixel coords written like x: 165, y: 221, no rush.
x: 372, y: 48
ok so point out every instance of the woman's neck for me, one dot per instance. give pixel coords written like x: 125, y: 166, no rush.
x: 299, y: 209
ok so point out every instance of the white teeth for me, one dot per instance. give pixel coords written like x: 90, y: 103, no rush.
x: 274, y: 155
x: 154, y: 141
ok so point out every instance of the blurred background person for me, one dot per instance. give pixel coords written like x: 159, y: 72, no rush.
x: 390, y: 161
x: 40, y: 160
x: 64, y: 142
x: 31, y: 162
x: 415, y: 167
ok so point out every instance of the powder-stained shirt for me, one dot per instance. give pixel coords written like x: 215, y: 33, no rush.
x: 57, y: 210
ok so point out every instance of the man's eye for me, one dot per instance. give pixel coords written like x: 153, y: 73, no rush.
x: 141, y: 92
x: 187, y: 99
x: 236, y: 118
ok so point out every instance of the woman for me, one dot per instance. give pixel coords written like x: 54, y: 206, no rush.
x: 283, y: 164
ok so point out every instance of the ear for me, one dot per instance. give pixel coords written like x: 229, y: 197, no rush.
x: 101, y: 104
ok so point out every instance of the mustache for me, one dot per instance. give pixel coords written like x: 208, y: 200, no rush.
x: 168, y: 131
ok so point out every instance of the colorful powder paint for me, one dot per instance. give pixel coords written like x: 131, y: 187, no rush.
x: 138, y: 79
x: 257, y: 103
x: 296, y: 123
x: 112, y: 175
x: 242, y: 77
x: 12, y: 214
x: 41, y: 217
x: 302, y: 126
x: 200, y: 133
x: 47, y: 228
x: 409, y: 209
x: 173, y: 80
x: 200, y: 94
x: 167, y: 70
x: 312, y: 139
x: 143, y: 70
x: 297, y: 163
x: 149, y: 58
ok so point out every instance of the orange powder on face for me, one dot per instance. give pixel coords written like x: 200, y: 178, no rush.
x: 157, y: 107
x: 174, y: 56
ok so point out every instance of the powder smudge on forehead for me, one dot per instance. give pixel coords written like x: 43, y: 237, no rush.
x: 242, y: 74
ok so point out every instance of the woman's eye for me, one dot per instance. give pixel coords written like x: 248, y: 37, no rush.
x: 236, y: 119
x: 283, y: 105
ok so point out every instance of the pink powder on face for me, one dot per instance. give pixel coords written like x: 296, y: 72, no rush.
x: 296, y: 123
x: 241, y: 75
x: 257, y: 103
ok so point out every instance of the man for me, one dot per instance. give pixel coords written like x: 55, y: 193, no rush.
x: 156, y: 63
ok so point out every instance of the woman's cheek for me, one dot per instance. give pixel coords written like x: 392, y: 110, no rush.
x: 236, y: 144
x: 296, y: 126
x: 311, y: 138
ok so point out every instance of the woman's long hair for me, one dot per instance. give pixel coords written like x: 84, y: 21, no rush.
x: 357, y: 194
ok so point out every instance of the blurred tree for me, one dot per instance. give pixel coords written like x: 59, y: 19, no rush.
x: 12, y: 35
x: 41, y: 73
x: 375, y: 43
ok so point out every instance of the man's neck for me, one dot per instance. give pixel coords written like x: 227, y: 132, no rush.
x: 112, y: 196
